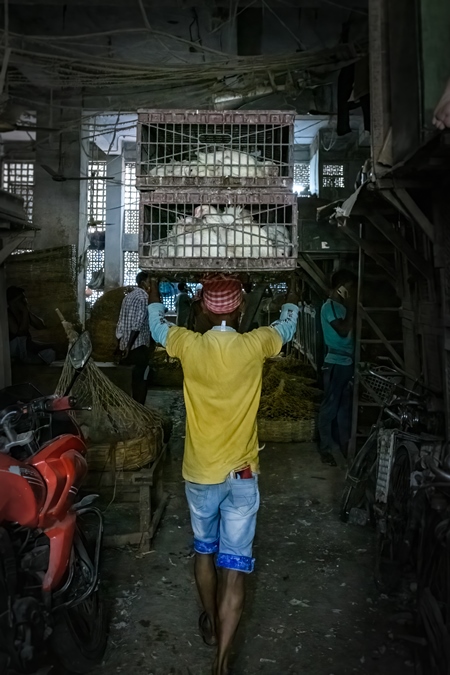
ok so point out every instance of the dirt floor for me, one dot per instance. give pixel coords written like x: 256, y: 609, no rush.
x: 311, y: 606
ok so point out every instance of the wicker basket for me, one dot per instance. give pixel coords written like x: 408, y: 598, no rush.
x: 286, y: 431
x: 124, y: 455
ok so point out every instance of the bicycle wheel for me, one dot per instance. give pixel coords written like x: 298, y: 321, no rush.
x: 393, y: 542
x: 359, y: 490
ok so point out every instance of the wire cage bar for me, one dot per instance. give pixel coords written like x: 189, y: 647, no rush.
x: 187, y: 148
x: 218, y: 229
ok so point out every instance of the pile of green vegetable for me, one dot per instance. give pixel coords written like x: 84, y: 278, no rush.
x: 288, y: 391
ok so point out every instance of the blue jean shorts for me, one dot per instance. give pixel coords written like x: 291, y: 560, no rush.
x: 223, y: 519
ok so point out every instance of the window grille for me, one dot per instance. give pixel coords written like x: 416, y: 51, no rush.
x: 301, y: 177
x: 96, y: 197
x: 95, y: 261
x: 131, y: 200
x: 130, y: 267
x: 18, y: 178
x: 96, y: 208
x: 333, y: 176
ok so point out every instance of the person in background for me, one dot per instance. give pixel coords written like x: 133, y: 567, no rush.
x: 182, y: 305
x: 23, y: 348
x: 222, y: 388
x: 198, y: 321
x: 133, y: 335
x: 337, y: 318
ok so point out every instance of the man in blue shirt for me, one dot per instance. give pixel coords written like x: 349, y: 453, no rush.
x: 337, y: 317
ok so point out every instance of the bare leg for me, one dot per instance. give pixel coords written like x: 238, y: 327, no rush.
x: 206, y: 580
x: 231, y: 604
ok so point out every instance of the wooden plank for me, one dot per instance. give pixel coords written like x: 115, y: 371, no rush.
x: 404, y: 76
x: 380, y: 99
x: 416, y: 213
x: 158, y: 515
x: 314, y: 272
x: 371, y: 251
x: 407, y: 183
x: 9, y: 245
x: 377, y: 330
x: 386, y: 228
x: 145, y: 510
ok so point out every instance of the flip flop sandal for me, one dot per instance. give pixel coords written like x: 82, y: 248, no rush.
x: 204, y: 626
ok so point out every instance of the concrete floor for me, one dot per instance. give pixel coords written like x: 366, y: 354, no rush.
x: 311, y: 607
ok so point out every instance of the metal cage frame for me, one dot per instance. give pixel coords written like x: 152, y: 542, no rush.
x: 233, y: 198
x: 265, y: 136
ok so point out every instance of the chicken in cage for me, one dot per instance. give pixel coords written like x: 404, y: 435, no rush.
x: 219, y: 163
x: 219, y: 231
x: 215, y: 148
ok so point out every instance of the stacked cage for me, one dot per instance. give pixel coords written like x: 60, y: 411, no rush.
x: 216, y: 191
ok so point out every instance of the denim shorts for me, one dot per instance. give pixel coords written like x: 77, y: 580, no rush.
x: 223, y: 519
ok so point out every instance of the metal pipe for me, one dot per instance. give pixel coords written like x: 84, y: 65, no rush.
x: 223, y: 101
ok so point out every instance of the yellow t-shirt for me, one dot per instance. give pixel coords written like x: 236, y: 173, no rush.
x: 222, y: 389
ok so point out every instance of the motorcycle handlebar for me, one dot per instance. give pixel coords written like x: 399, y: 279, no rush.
x: 60, y: 404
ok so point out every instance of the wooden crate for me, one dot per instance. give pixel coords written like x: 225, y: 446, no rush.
x: 144, y: 487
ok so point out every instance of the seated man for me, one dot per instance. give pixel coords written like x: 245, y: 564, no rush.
x: 23, y: 348
x: 222, y: 388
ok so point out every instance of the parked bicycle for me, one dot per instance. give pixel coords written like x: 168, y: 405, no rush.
x: 382, y: 386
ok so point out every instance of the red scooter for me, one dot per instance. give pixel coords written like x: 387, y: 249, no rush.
x: 49, y: 542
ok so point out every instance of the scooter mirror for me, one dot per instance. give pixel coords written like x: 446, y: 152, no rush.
x: 80, y: 351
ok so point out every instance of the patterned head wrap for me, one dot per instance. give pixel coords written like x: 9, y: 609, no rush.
x: 222, y: 294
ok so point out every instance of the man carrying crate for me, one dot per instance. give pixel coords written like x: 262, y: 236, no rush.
x: 222, y: 388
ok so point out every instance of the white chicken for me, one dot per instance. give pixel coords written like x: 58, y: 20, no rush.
x: 279, y: 236
x: 211, y: 216
x: 240, y: 215
x: 219, y: 163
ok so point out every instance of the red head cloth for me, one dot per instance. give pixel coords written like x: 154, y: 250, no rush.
x: 221, y: 294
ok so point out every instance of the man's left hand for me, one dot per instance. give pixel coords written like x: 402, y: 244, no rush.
x: 292, y: 294
x: 153, y: 293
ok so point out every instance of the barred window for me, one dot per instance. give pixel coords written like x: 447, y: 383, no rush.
x: 96, y: 197
x: 131, y: 200
x: 301, y: 177
x: 130, y: 267
x: 95, y: 262
x: 18, y: 178
x: 333, y: 176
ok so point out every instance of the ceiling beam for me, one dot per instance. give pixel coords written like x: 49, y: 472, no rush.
x: 185, y: 4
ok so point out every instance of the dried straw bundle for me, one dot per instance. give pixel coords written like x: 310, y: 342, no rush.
x: 49, y: 280
x: 102, y: 324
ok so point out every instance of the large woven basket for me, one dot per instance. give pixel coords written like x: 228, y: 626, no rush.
x: 286, y: 431
x: 124, y: 455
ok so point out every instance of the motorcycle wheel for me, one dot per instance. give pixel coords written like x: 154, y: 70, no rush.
x: 80, y: 635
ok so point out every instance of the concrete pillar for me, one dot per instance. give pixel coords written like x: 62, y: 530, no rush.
x: 56, y: 203
x: 5, y: 361
x: 83, y: 218
x: 113, y: 235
